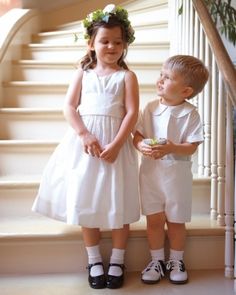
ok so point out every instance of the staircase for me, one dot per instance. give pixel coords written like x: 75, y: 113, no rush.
x: 32, y: 125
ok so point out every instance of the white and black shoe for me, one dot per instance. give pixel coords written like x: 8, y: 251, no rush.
x: 177, y: 271
x: 153, y: 272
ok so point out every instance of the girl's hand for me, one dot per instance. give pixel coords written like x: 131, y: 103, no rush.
x: 110, y: 153
x: 91, y: 144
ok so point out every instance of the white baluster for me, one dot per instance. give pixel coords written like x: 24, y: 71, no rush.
x: 174, y: 27
x: 186, y: 26
x: 180, y: 30
x: 214, y: 112
x: 191, y: 29
x: 196, y: 36
x: 201, y: 109
x: 221, y: 154
x: 207, y: 115
x: 229, y: 194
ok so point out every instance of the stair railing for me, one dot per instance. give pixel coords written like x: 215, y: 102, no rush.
x: 195, y: 33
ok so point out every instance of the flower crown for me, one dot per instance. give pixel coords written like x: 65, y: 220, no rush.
x: 103, y: 15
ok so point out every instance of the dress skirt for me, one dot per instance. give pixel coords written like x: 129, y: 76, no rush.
x: 80, y: 189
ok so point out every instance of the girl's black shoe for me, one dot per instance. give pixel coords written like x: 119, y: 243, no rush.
x: 114, y: 282
x: 98, y: 282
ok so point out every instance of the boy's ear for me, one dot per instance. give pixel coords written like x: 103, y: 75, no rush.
x: 188, y: 91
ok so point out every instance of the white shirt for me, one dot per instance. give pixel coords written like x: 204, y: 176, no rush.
x: 178, y: 124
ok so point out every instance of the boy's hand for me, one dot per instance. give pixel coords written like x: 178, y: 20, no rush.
x: 160, y: 150
x: 144, y: 148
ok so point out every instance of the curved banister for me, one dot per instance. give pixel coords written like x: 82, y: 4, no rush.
x: 223, y: 60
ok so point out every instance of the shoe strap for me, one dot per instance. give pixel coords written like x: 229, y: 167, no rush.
x: 122, y: 266
x: 94, y: 264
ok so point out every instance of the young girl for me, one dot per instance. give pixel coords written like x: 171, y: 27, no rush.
x: 92, y: 177
x: 165, y: 172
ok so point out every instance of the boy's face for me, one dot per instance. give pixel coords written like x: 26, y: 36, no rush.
x: 172, y: 88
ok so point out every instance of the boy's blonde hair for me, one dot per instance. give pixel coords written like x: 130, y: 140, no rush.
x: 193, y: 71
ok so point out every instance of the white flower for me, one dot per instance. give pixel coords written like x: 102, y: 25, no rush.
x: 90, y: 17
x: 110, y: 8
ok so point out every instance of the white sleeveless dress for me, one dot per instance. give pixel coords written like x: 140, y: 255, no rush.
x: 80, y: 189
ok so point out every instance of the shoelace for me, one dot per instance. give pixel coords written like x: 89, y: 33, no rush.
x: 156, y: 265
x: 175, y: 265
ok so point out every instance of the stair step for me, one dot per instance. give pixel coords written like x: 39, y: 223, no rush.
x: 36, y: 244
x: 201, y: 282
x: 32, y: 94
x: 43, y: 94
x: 30, y: 156
x: 66, y: 37
x: 55, y: 52
x: 32, y: 70
x: 157, y: 52
x: 149, y: 14
x: 55, y: 71
x: 158, y: 11
x: 143, y: 33
x: 21, y: 124
x: 136, y: 6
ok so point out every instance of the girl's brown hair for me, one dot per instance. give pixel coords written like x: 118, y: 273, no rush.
x: 89, y: 61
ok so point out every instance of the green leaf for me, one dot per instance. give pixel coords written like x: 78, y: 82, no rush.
x: 75, y: 37
x: 180, y: 11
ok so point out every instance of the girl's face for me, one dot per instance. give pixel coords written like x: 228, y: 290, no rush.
x: 108, y: 45
x: 172, y: 87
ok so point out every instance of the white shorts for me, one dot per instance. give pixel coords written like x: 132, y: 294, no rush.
x: 166, y: 186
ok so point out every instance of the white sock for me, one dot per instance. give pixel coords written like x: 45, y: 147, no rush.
x: 94, y: 256
x: 158, y: 254
x: 117, y: 256
x: 176, y: 255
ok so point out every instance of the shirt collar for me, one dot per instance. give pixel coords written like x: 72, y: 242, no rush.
x: 176, y: 111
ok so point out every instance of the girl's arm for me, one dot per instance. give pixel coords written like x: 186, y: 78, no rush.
x: 145, y: 149
x: 72, y: 101
x: 111, y: 150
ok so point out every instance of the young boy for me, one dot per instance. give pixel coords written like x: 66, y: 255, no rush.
x: 165, y: 171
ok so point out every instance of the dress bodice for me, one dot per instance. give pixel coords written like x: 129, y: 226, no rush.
x: 102, y: 95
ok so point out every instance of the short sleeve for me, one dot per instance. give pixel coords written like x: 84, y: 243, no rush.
x: 194, y: 132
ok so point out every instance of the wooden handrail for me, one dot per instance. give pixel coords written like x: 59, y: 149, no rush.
x: 223, y: 60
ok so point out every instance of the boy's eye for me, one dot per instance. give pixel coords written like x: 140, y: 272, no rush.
x: 162, y: 76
